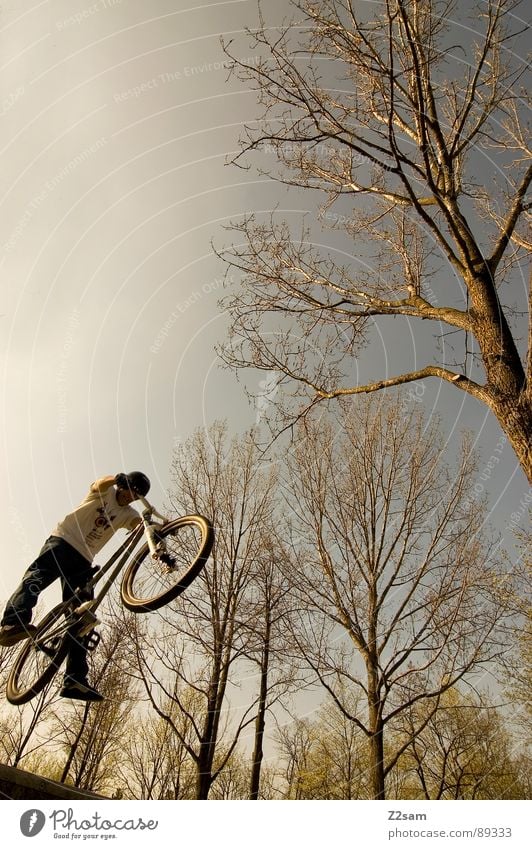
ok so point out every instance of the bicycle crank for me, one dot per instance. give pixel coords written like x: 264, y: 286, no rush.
x: 87, y: 619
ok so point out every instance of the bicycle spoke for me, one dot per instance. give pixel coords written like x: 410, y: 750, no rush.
x: 39, y: 659
x: 157, y: 576
x: 150, y: 582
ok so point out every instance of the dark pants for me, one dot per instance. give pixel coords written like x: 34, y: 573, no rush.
x: 57, y: 559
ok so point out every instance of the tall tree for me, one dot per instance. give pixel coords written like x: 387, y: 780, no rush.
x: 202, y: 643
x: 266, y: 645
x: 407, y: 115
x: 397, y: 592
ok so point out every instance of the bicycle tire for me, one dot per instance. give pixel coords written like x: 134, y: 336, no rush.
x: 39, y: 659
x: 145, y: 584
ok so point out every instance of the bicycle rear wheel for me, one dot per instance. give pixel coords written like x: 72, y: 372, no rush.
x: 39, y: 658
x: 150, y: 583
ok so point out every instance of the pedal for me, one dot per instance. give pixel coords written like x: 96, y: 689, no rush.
x: 92, y: 640
x: 83, y: 608
x: 87, y: 620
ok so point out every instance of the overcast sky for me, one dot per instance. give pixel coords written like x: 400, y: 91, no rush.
x: 117, y: 120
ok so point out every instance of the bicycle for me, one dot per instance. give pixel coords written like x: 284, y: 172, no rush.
x: 173, y: 555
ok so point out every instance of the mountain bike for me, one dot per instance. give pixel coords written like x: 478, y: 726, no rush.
x: 173, y: 554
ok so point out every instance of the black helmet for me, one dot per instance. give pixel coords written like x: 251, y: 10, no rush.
x: 138, y: 482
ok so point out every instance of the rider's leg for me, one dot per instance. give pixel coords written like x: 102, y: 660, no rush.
x: 42, y: 572
x: 77, y: 667
x: 75, y: 683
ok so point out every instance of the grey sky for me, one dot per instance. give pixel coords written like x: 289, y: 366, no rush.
x: 117, y: 119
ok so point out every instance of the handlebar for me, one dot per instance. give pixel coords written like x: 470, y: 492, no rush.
x: 150, y: 509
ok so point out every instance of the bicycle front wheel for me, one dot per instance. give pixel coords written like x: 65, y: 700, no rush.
x: 39, y: 658
x: 150, y: 583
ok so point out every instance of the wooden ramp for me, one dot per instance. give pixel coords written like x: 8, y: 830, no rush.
x: 18, y: 784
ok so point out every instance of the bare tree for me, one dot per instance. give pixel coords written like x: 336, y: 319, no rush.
x: 397, y: 592
x: 202, y: 643
x: 465, y: 751
x: 92, y: 735
x: 295, y: 747
x: 517, y: 680
x: 325, y: 758
x: 155, y: 762
x: 267, y: 645
x: 393, y: 111
x: 25, y: 733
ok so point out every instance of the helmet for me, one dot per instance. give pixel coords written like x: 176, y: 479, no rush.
x: 138, y: 482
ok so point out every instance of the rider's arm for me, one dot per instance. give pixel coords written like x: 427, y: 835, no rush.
x: 103, y: 484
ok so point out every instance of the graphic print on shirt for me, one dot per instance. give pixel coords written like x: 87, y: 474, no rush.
x: 102, y: 523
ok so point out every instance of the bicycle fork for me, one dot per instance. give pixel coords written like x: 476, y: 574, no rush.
x: 156, y: 546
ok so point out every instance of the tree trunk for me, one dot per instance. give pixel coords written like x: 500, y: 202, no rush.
x: 210, y: 731
x: 260, y: 722
x: 75, y: 745
x: 515, y: 419
x: 204, y: 774
x: 376, y: 752
x: 376, y: 739
x: 206, y: 754
x: 507, y: 391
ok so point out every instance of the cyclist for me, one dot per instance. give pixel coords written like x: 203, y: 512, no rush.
x: 68, y: 554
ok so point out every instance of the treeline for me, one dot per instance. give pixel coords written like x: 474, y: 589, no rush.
x: 358, y: 633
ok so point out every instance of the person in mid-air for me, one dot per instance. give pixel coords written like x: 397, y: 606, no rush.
x: 68, y: 554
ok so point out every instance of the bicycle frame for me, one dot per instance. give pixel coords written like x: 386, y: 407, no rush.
x: 146, y: 528
x: 75, y: 618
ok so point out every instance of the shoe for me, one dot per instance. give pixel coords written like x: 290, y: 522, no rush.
x: 11, y: 634
x: 80, y: 690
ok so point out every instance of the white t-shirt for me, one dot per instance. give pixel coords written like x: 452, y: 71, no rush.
x: 91, y: 525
